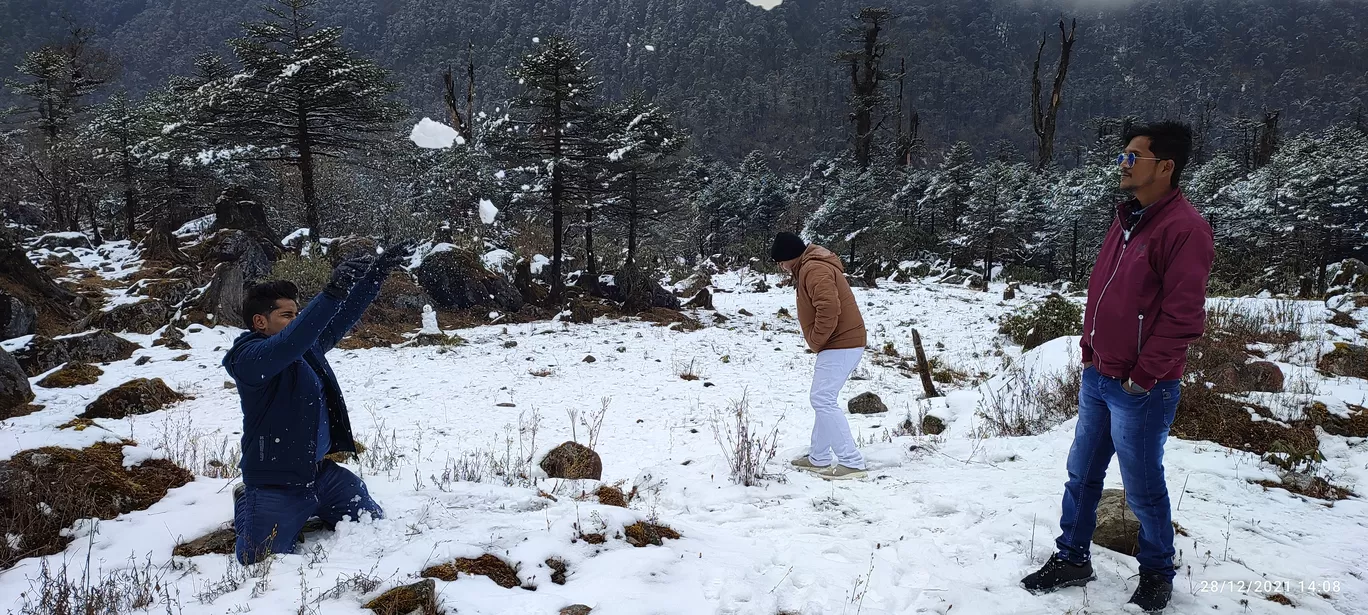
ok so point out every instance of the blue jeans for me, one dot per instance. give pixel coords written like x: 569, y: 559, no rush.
x: 1134, y: 427
x: 268, y: 518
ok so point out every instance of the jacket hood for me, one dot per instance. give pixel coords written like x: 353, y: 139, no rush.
x: 238, y: 345
x: 818, y: 253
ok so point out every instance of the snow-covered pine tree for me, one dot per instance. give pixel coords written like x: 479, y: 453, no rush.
x: 117, y: 133
x: 53, y: 86
x: 557, y: 134
x: 949, y: 191
x: 644, y: 169
x: 301, y: 94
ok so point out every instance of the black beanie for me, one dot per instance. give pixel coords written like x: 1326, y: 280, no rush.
x: 787, y: 247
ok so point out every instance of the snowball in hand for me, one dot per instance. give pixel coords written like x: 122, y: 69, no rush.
x: 487, y: 211
x: 434, y: 135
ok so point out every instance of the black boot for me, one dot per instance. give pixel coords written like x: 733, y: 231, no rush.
x: 1057, y: 574
x: 1153, y: 594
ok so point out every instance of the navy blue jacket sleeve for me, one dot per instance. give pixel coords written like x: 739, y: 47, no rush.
x: 362, y: 294
x: 260, y: 361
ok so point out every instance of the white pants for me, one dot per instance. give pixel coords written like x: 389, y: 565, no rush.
x: 830, y: 430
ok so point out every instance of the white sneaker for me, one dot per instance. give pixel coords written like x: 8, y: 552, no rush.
x: 803, y: 463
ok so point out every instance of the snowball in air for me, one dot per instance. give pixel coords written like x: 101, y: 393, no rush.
x: 428, y: 134
x: 650, y: 48
x: 487, y: 211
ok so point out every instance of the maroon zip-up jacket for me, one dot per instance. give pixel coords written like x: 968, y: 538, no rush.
x: 1147, y: 294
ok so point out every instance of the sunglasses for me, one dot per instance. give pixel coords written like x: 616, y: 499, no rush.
x: 1128, y: 159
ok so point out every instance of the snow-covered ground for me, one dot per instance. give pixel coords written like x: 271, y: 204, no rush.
x: 945, y: 524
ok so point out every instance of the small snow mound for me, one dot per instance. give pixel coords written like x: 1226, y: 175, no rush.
x: 136, y: 455
x: 488, y: 211
x: 539, y: 262
x: 429, y: 134
x: 498, y: 259
x: 765, y: 4
x: 196, y: 227
x: 296, y: 237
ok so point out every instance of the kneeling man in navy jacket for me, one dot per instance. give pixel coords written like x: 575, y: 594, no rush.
x: 293, y: 413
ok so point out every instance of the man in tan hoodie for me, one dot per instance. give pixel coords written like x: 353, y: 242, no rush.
x: 834, y: 329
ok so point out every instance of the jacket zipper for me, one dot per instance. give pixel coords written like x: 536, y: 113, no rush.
x: 261, y: 448
x: 1139, y: 331
x: 1093, y: 333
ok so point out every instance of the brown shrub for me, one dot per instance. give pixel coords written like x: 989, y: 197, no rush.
x: 642, y: 533
x: 609, y: 495
x: 420, y: 597
x: 72, y: 375
x: 1206, y: 415
x: 73, y: 484
x: 486, y: 565
x: 132, y: 398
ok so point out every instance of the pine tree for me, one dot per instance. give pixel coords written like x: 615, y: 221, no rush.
x: 644, y: 169
x: 949, y: 190
x: 300, y: 94
x: 557, y: 133
x: 54, y: 83
x: 119, y: 130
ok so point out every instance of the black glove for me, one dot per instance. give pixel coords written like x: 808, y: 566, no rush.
x: 344, y: 277
x: 393, y: 257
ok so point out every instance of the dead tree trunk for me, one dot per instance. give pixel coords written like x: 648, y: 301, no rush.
x: 865, y: 77
x: 924, y: 368
x: 1268, y: 139
x: 1043, y: 120
x: 462, y: 123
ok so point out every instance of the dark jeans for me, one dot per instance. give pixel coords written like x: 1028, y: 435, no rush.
x: 268, y: 519
x: 1134, y: 427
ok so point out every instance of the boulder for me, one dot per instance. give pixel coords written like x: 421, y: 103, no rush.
x: 223, y: 297
x: 53, y: 241
x: 1118, y: 528
x: 417, y: 599
x: 576, y: 609
x: 702, y: 301
x: 692, y: 285
x: 932, y: 425
x: 56, y: 309
x: 1349, y: 275
x: 72, y: 375
x: 43, y: 353
x: 252, y: 253
x: 238, y: 208
x: 169, y: 290
x: 637, y: 290
x: 1010, y: 293
x: 135, y: 397
x: 173, y: 339
x: 17, y: 319
x: 348, y: 247
x: 866, y: 403
x: 1350, y: 360
x: 14, y: 385
x: 458, y: 279
x: 572, y: 460
x: 160, y: 244
x: 143, y: 317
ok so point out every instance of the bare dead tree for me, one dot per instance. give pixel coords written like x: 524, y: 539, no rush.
x: 462, y: 123
x: 866, y: 77
x: 1043, y: 120
x: 1268, y: 139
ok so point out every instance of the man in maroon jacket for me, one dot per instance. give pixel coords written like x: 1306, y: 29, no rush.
x: 1146, y: 303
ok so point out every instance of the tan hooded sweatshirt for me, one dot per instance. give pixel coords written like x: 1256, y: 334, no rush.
x: 827, y: 310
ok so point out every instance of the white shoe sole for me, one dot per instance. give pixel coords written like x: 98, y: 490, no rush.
x: 851, y: 476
